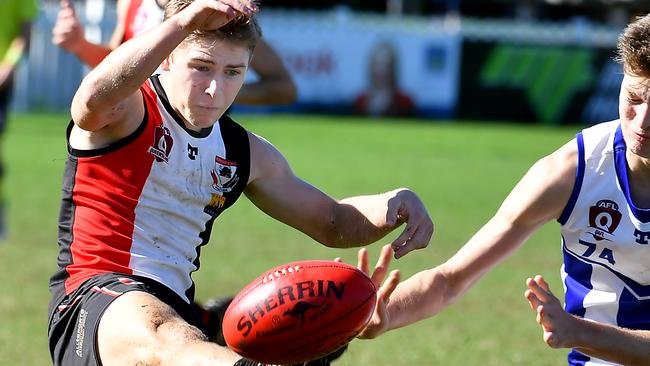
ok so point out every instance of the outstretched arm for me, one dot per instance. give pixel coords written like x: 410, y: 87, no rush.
x: 564, y: 330
x: 68, y: 33
x: 275, y: 84
x: 351, y: 222
x: 538, y: 198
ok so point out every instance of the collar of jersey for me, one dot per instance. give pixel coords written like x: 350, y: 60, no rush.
x: 642, y: 214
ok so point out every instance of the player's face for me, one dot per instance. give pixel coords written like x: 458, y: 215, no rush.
x: 634, y: 112
x: 203, y: 79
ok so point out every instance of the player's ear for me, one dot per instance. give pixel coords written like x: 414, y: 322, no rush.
x: 168, y: 61
x: 165, y: 64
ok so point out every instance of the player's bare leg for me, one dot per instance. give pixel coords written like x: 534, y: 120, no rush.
x: 139, y: 329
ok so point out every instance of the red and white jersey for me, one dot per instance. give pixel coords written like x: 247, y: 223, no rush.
x: 145, y: 205
x: 141, y: 16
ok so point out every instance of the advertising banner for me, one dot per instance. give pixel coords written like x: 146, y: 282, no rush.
x: 528, y: 82
x: 337, y: 63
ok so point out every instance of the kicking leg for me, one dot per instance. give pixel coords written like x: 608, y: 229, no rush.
x: 139, y: 329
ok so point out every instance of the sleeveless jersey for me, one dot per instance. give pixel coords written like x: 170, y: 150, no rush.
x: 605, y: 237
x: 145, y: 205
x: 141, y: 16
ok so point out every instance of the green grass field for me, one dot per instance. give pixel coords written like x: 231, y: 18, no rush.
x: 461, y: 171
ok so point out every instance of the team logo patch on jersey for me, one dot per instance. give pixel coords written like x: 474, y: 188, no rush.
x: 224, y: 175
x: 162, y: 144
x: 604, y: 218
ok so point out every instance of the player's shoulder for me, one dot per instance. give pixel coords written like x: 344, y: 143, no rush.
x: 262, y: 149
x: 599, y: 133
x: 602, y: 127
x: 557, y: 170
x: 266, y: 159
x: 598, y: 140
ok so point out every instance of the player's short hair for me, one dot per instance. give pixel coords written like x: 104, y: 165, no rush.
x: 633, y: 49
x: 242, y: 30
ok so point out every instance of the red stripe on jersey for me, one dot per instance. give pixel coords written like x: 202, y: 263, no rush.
x: 106, y: 192
x: 129, y: 19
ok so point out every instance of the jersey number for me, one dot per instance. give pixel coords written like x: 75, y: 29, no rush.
x: 605, y: 253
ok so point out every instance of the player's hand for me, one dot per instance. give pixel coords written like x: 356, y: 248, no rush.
x: 213, y: 14
x: 558, y: 325
x: 407, y: 207
x: 380, y: 318
x: 68, y: 31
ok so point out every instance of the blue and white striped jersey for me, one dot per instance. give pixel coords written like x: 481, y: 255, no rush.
x: 605, y: 239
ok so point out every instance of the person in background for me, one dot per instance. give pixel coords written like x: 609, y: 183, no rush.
x: 274, y: 85
x: 383, y: 96
x: 597, y: 187
x: 152, y: 162
x: 15, y: 24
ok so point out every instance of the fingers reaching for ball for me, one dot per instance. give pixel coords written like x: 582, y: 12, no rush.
x: 385, y: 285
x: 381, y: 267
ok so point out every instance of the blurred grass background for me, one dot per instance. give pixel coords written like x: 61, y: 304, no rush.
x: 462, y: 171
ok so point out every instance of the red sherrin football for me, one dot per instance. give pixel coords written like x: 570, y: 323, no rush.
x: 299, y: 311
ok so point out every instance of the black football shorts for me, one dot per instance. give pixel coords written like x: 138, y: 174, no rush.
x: 73, y: 321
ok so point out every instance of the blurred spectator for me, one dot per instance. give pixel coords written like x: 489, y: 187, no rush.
x: 15, y: 24
x: 383, y: 96
x: 274, y: 85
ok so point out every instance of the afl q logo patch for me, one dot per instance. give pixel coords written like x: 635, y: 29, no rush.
x: 604, y: 217
x: 162, y: 144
